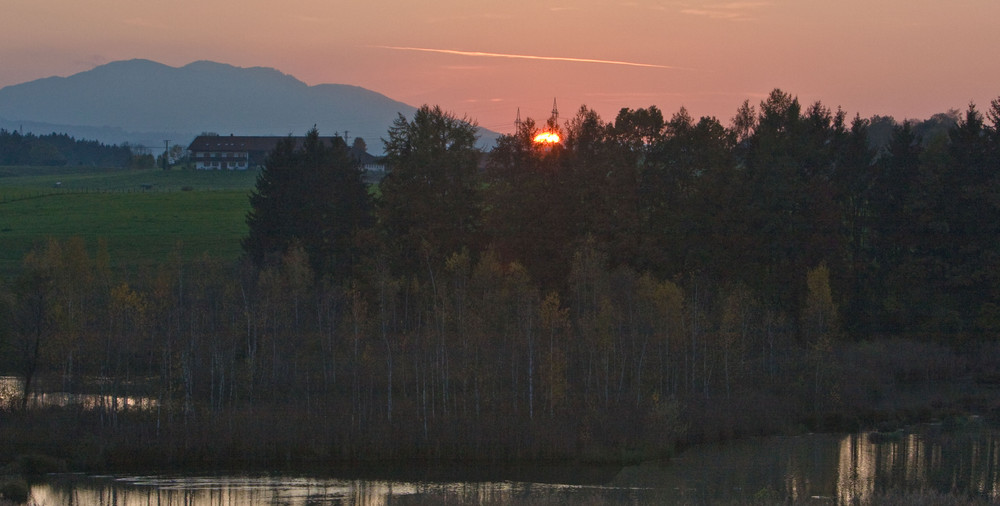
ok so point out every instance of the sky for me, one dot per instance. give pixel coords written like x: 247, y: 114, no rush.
x: 489, y: 60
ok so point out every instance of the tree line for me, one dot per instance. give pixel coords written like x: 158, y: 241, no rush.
x: 61, y: 149
x: 642, y: 281
x: 902, y: 215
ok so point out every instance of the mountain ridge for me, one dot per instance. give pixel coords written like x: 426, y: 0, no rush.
x: 141, y: 101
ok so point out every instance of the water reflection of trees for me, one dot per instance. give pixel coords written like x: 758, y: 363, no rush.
x: 849, y: 470
x: 963, y: 462
x: 306, y: 491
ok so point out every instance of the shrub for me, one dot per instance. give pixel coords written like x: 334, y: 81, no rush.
x: 15, y: 490
x: 38, y: 465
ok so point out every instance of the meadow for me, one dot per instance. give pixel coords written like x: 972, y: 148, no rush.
x: 143, y: 215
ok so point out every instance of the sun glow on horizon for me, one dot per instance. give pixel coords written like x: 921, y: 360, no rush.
x: 547, y: 138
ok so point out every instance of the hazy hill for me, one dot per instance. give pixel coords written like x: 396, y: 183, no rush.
x: 141, y: 101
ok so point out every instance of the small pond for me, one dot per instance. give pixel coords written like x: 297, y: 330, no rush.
x: 961, y: 458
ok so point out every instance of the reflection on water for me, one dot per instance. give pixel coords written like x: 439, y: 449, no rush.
x: 965, y: 461
x: 812, y: 469
x: 11, y: 388
x: 299, y: 491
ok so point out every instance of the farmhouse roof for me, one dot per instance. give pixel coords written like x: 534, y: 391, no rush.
x: 243, y: 143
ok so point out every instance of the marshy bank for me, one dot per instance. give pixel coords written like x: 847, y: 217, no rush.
x: 719, y: 452
x: 877, y: 386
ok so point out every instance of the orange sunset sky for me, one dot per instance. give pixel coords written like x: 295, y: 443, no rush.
x: 905, y: 58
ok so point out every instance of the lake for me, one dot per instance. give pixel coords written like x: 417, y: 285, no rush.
x: 961, y: 457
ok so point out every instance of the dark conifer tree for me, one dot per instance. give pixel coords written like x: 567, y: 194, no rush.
x: 789, y: 196
x: 854, y: 177
x: 528, y: 206
x: 683, y: 194
x: 973, y: 217
x: 430, y: 204
x: 313, y: 196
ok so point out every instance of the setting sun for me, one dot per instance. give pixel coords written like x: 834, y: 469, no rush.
x: 547, y: 138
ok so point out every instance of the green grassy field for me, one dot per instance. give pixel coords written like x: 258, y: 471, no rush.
x: 143, y: 215
x: 45, y: 179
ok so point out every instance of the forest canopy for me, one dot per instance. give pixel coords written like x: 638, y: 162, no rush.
x: 904, y: 216
x: 644, y: 280
x: 60, y: 149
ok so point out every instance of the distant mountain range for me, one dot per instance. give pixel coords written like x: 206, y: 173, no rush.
x: 145, y: 102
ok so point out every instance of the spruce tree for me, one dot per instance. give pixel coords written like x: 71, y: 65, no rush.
x: 431, y: 202
x: 312, y: 196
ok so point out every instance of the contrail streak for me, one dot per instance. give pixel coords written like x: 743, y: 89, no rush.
x: 526, y: 57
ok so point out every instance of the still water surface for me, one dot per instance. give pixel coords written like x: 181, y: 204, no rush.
x: 821, y: 469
